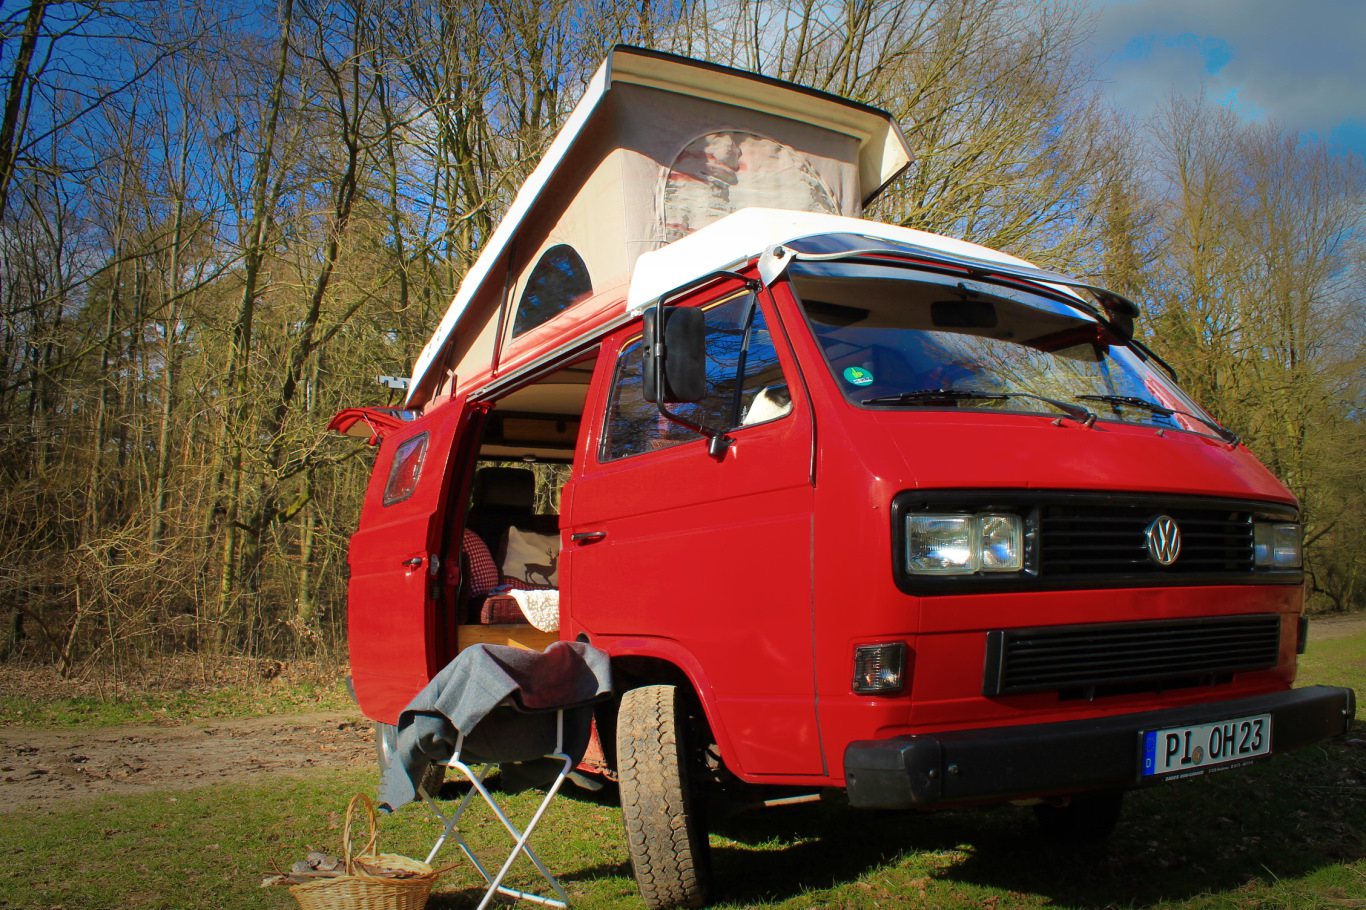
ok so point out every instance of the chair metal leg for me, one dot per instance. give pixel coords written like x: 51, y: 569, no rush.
x: 450, y: 823
x: 522, y: 846
x: 521, y: 837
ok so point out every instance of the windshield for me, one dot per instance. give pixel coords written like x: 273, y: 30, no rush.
x: 896, y: 337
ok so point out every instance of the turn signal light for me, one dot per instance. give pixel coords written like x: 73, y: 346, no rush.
x: 880, y: 669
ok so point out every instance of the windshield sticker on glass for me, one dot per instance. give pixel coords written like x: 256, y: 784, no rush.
x: 858, y: 376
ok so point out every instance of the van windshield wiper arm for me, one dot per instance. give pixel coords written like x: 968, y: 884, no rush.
x: 935, y: 396
x: 1221, y: 431
x: 930, y: 396
x: 1131, y: 402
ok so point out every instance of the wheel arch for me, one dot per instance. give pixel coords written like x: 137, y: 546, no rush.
x: 638, y: 662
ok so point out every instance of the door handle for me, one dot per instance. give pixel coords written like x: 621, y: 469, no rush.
x: 587, y: 536
x: 413, y: 563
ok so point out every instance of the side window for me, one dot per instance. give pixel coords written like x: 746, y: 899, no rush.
x: 407, y: 468
x: 559, y: 280
x: 745, y: 385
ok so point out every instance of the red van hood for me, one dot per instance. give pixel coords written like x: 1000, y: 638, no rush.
x: 1002, y: 451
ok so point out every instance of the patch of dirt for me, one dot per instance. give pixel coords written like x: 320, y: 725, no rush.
x: 45, y: 768
x: 1335, y: 625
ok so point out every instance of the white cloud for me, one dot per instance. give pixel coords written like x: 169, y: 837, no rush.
x: 1298, y: 64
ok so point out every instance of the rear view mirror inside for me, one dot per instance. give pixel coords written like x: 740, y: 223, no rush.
x: 963, y: 314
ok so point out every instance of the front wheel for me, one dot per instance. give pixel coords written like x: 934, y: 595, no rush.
x: 665, y: 832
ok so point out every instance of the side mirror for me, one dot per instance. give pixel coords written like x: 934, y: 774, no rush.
x: 677, y: 357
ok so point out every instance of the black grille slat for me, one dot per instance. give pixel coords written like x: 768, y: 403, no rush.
x: 1126, y: 654
x: 1137, y: 662
x: 1144, y: 651
x: 1088, y: 539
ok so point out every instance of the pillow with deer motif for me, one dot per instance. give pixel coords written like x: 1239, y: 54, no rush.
x: 531, y: 557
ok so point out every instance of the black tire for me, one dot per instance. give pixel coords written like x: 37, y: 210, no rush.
x: 665, y: 832
x: 1089, y: 817
x: 386, y: 739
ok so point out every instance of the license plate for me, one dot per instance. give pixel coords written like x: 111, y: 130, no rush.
x: 1193, y: 750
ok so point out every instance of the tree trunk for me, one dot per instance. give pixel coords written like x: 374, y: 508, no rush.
x: 240, y: 343
x: 11, y: 129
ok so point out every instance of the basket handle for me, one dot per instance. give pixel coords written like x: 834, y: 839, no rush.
x: 346, y: 831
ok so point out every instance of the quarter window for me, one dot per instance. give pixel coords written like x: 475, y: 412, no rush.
x: 559, y: 280
x: 745, y: 385
x: 407, y: 468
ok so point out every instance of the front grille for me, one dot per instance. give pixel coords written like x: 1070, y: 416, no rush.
x: 1100, y: 659
x: 1110, y: 539
x: 1075, y: 540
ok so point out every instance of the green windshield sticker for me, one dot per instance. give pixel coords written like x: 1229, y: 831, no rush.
x: 858, y: 376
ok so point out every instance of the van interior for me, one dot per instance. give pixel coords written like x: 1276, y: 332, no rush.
x: 507, y: 536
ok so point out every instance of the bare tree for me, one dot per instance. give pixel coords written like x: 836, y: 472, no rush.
x: 1256, y: 292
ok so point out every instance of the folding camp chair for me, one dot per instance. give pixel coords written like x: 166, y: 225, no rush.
x: 451, y: 822
x: 528, y: 712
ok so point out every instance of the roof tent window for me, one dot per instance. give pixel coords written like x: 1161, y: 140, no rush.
x: 724, y: 172
x: 559, y: 281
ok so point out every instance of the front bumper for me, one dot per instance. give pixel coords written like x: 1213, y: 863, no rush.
x: 926, y: 770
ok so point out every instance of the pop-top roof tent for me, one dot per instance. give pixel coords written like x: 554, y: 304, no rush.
x: 658, y: 147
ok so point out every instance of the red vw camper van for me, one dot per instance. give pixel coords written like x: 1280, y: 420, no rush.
x: 849, y: 505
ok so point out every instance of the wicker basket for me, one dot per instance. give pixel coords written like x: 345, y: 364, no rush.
x: 358, y: 890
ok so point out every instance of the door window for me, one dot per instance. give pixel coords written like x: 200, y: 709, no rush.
x: 745, y: 385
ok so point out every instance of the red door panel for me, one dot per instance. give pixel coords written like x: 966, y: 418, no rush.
x: 690, y: 554
x: 394, y: 631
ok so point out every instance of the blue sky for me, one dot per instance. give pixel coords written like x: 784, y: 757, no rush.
x: 1300, y: 64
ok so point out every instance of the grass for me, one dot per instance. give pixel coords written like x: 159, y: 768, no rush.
x: 172, y: 691
x: 1338, y: 662
x: 1289, y: 834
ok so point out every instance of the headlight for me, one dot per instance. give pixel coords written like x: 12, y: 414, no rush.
x: 1002, y: 549
x: 1276, y: 546
x: 963, y: 544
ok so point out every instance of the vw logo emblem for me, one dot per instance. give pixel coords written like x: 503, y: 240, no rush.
x: 1164, y: 540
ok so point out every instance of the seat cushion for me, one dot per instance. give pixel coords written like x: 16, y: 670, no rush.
x: 484, y: 575
x: 532, y: 557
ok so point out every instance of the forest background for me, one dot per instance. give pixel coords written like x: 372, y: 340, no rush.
x: 220, y: 223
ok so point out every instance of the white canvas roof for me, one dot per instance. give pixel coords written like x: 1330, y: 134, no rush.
x: 606, y: 186
x: 740, y: 237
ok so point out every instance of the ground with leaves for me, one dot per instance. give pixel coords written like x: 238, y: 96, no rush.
x: 42, y: 769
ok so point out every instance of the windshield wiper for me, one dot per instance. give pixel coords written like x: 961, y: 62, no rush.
x: 1129, y: 401
x: 933, y: 396
x: 929, y: 396
x: 1222, y: 432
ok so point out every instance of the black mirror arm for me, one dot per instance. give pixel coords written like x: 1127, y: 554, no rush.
x: 1148, y: 352
x: 738, y: 399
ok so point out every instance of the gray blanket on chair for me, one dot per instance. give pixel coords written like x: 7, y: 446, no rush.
x: 504, y: 700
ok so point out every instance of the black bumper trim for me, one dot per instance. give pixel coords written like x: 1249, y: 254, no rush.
x: 965, y: 766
